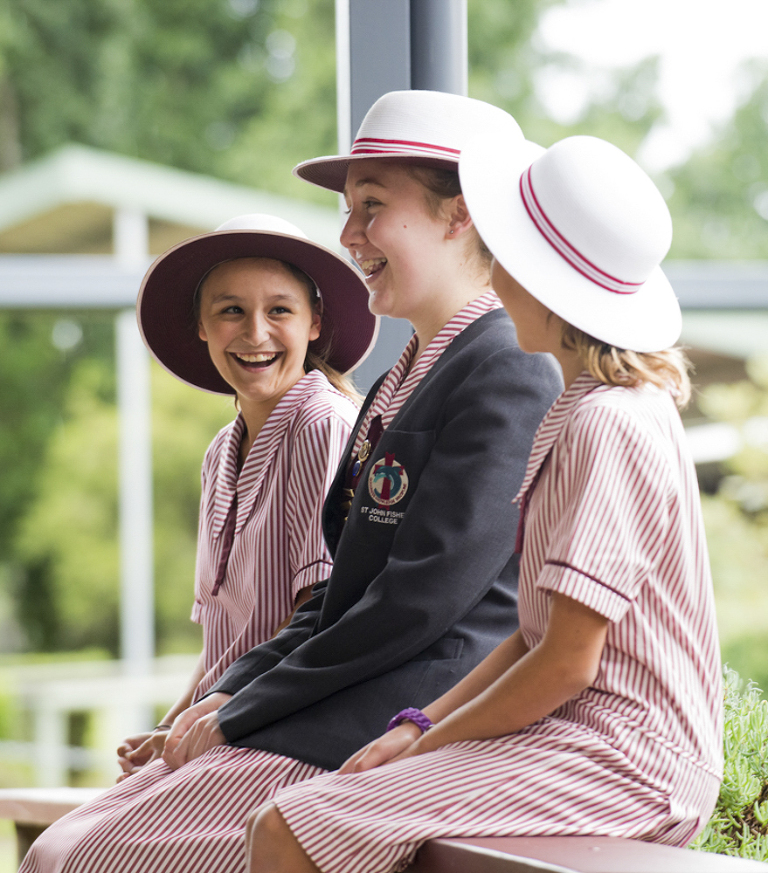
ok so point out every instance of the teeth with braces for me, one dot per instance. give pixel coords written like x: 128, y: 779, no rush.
x: 257, y: 359
x: 369, y: 263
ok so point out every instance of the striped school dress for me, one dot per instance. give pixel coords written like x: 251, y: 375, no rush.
x: 613, y: 521
x: 193, y: 819
x: 274, y: 505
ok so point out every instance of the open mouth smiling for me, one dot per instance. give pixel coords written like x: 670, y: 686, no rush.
x: 257, y: 361
x: 372, y: 266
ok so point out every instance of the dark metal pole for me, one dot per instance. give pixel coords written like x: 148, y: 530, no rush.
x: 394, y: 45
x: 439, y: 45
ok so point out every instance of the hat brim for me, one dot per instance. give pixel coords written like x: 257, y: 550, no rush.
x: 167, y: 322
x: 330, y: 172
x: 648, y: 320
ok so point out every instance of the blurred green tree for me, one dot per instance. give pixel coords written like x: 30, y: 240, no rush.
x: 736, y: 520
x: 240, y: 89
x: 67, y: 539
x: 719, y: 201
x: 244, y: 89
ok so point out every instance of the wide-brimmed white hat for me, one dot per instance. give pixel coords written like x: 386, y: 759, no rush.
x: 584, y: 230
x: 165, y: 304
x: 428, y: 128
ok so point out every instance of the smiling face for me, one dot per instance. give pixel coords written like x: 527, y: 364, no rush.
x: 257, y: 319
x: 400, y: 245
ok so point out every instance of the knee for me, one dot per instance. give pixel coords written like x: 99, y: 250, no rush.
x: 265, y: 836
x: 255, y: 821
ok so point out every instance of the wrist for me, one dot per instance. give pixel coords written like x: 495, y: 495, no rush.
x: 414, y: 716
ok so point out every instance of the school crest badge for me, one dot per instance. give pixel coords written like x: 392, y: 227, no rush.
x: 387, y: 481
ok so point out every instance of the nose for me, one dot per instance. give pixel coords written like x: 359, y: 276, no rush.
x: 256, y: 328
x: 353, y: 232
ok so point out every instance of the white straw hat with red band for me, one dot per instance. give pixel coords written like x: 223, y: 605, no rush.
x: 428, y: 128
x: 584, y: 230
x: 165, y: 305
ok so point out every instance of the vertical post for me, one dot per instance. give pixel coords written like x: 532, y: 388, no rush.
x: 439, y: 45
x: 373, y: 56
x: 135, y: 449
x: 133, y: 398
x: 50, y: 731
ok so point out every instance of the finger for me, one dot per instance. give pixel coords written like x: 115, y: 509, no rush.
x: 175, y: 756
x: 349, y: 765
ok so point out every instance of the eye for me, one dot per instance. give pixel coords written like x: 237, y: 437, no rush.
x: 280, y: 310
x: 232, y: 309
x: 371, y: 203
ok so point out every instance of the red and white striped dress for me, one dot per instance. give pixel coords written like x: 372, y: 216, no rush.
x: 193, y: 819
x: 278, y: 547
x: 613, y: 522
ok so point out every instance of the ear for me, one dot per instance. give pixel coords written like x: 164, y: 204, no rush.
x: 314, y: 331
x: 459, y: 219
x: 201, y: 332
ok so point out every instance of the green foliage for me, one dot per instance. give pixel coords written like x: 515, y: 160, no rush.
x: 739, y: 824
x: 175, y: 81
x: 736, y: 521
x: 297, y: 118
x: 720, y: 200
x: 504, y: 64
x: 33, y: 376
x: 68, y: 539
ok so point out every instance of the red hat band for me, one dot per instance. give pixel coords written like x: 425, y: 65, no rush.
x: 370, y: 145
x: 561, y: 245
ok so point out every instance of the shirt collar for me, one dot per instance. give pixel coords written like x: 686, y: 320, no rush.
x: 552, y: 425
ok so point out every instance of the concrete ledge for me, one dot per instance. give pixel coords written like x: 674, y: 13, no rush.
x: 570, y: 855
x: 33, y: 809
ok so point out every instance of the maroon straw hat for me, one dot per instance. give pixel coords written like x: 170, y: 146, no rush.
x: 165, y: 304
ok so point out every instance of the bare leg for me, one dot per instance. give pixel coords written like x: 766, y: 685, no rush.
x: 271, y: 846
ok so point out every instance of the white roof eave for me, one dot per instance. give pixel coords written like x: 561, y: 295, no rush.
x: 75, y: 174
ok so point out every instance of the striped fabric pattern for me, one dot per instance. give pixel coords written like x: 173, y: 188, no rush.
x: 191, y: 819
x: 278, y: 547
x: 401, y: 380
x: 613, y: 522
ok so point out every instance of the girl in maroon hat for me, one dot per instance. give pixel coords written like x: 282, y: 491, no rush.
x: 257, y: 311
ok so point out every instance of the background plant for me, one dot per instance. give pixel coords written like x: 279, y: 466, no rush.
x: 739, y: 824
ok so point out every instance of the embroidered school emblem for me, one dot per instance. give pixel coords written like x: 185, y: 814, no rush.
x: 387, y: 481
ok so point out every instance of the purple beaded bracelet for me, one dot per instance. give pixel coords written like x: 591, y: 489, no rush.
x: 414, y: 715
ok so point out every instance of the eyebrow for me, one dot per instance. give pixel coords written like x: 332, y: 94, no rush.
x: 273, y: 298
x: 361, y: 182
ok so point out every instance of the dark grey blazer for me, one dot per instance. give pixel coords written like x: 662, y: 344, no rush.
x: 419, y: 596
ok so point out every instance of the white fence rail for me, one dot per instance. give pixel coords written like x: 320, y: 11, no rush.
x: 119, y: 702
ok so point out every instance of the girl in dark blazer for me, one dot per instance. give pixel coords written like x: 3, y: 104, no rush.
x: 602, y: 715
x: 419, y: 520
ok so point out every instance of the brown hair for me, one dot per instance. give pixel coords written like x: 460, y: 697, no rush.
x: 315, y: 360
x: 318, y: 360
x: 441, y: 184
x: 614, y: 366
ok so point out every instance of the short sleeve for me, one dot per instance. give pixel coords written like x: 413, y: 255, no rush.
x: 611, y: 483
x: 315, y: 457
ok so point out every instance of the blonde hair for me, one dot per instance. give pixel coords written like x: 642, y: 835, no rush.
x: 668, y: 369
